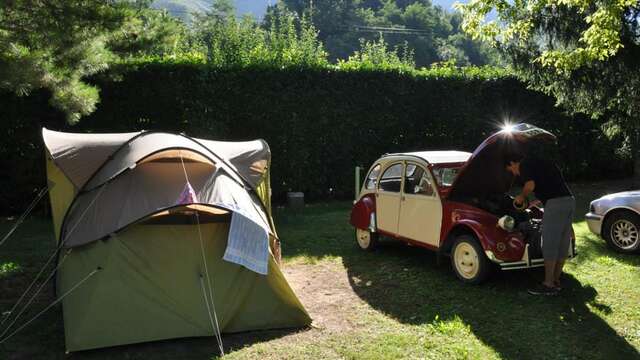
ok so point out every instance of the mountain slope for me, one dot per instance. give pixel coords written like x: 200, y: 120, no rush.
x: 183, y: 8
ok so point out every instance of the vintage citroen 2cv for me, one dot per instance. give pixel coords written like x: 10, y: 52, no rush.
x: 455, y: 203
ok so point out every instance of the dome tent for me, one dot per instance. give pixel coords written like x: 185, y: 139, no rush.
x: 144, y: 224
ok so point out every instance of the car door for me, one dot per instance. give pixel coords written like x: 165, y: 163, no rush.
x: 388, y: 198
x: 420, y: 206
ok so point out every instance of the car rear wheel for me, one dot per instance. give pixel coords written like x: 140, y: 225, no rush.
x: 622, y: 232
x: 366, y: 239
x: 469, y: 261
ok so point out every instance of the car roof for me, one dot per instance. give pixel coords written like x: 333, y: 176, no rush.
x: 436, y: 157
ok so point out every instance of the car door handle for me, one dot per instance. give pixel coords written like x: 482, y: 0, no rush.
x: 402, y: 198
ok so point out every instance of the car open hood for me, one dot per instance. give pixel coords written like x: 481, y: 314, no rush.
x: 484, y: 173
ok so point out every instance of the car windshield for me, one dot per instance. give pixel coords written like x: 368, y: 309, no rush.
x: 445, y: 175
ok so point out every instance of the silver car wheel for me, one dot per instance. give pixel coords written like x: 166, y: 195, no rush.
x: 624, y: 234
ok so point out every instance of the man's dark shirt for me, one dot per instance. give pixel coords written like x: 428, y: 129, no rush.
x: 547, y: 177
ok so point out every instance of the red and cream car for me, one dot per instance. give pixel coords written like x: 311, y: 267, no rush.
x: 455, y: 203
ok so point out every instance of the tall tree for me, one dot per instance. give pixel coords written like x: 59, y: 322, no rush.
x: 53, y: 44
x: 427, y: 29
x: 584, y: 53
x: 223, y: 8
x: 283, y: 40
x: 333, y: 19
x: 212, y: 27
x: 152, y: 32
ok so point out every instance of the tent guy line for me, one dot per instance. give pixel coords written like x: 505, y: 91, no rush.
x: 52, y: 304
x: 59, y: 263
x: 33, y: 297
x: 26, y: 213
x: 216, y: 329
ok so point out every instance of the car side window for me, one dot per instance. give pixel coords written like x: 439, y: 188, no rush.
x: 445, y: 176
x: 372, y: 179
x: 391, y: 178
x: 417, y: 181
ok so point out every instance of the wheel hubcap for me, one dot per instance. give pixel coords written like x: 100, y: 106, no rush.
x: 624, y: 234
x: 363, y: 237
x: 466, y: 260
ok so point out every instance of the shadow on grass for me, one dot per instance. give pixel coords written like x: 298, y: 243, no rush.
x: 45, y: 340
x: 592, y: 248
x: 315, y: 232
x: 186, y: 348
x: 405, y: 283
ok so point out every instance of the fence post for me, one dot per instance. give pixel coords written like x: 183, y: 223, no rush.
x: 357, y: 189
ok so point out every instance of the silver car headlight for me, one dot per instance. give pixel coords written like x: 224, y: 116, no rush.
x: 507, y: 223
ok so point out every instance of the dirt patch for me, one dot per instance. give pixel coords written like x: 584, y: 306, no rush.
x: 325, y: 292
x: 328, y: 297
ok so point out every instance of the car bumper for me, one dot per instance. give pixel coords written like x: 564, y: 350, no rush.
x: 595, y: 223
x: 527, y: 262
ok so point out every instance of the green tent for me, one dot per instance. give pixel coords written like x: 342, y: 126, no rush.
x: 144, y: 223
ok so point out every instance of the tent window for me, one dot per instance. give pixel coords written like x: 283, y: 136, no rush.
x: 176, y: 155
x: 185, y: 215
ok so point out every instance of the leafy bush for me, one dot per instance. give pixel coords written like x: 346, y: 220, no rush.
x: 375, y: 55
x: 9, y: 268
x: 227, y: 42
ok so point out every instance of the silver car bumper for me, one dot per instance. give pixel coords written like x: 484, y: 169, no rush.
x: 595, y: 222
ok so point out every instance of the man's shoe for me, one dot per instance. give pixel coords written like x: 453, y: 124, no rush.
x: 542, y: 289
x: 557, y: 285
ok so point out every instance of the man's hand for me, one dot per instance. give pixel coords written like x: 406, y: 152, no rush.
x: 519, y: 200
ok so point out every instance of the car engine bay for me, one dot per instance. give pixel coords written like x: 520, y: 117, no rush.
x: 527, y: 221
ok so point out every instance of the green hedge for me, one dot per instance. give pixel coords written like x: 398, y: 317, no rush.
x: 319, y: 123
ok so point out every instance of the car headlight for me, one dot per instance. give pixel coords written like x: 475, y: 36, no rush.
x: 507, y: 223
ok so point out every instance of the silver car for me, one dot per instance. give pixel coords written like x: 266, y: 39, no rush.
x: 616, y: 217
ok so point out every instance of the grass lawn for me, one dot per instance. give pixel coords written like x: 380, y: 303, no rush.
x: 395, y: 302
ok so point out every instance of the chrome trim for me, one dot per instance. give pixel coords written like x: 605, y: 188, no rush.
x: 372, y: 222
x: 523, y: 267
x: 492, y: 257
x: 522, y: 264
x: 528, y: 263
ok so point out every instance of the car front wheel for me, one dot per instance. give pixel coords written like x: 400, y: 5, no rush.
x: 622, y: 232
x: 469, y: 261
x: 366, y: 239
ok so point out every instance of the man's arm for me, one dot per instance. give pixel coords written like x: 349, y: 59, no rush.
x: 527, y: 189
